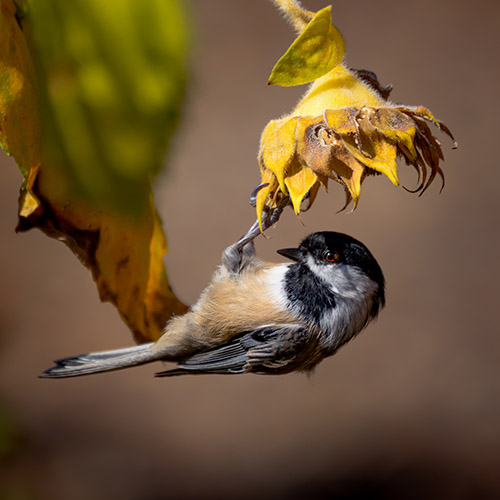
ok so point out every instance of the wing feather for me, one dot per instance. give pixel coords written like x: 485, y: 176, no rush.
x: 267, y: 348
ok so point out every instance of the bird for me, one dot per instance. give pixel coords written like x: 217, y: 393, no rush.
x: 259, y: 317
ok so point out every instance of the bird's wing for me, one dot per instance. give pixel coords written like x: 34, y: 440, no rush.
x: 267, y: 349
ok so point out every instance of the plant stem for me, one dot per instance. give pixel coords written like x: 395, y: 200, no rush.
x: 298, y: 16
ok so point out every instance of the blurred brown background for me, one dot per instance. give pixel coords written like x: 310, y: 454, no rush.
x: 410, y: 409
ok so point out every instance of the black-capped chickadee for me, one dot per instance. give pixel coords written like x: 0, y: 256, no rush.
x: 257, y: 317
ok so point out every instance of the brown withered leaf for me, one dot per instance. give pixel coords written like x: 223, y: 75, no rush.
x: 124, y: 254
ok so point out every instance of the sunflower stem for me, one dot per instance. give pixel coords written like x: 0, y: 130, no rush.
x: 298, y: 17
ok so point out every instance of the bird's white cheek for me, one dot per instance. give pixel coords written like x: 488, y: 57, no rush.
x: 343, y: 280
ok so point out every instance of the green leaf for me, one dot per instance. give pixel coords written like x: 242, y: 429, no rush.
x: 111, y: 77
x: 316, y: 51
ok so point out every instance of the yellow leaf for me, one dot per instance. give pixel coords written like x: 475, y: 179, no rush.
x: 111, y: 80
x: 19, y: 126
x: 29, y: 203
x: 123, y: 253
x: 318, y: 49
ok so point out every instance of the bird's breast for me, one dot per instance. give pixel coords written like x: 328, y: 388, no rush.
x: 236, y: 303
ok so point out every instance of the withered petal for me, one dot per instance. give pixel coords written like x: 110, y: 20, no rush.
x: 313, y: 143
x: 396, y: 126
x: 311, y: 196
x: 262, y: 195
x: 299, y: 185
x: 383, y: 159
x: 343, y: 120
x: 278, y: 144
x: 371, y: 78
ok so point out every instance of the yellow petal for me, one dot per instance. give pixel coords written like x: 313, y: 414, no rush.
x: 269, y: 178
x: 277, y: 147
x: 318, y: 49
x: 298, y: 186
x: 323, y: 180
x: 384, y: 162
x: 425, y: 113
x: 342, y: 120
x: 323, y: 151
x: 396, y: 126
x: 313, y: 143
x: 373, y: 150
x: 352, y: 180
x: 312, y: 195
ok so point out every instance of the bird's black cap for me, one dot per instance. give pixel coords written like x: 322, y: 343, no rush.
x: 350, y: 251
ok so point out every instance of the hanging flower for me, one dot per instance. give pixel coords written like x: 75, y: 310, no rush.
x: 343, y: 129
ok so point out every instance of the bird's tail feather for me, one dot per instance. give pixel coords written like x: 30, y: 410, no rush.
x: 104, y: 361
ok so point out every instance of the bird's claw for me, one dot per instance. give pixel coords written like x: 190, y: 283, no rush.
x: 235, y: 255
x: 270, y: 217
x: 255, y: 192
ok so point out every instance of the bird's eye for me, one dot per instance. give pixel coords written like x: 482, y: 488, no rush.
x: 331, y: 256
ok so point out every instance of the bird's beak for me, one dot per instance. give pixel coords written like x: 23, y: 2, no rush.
x: 292, y: 253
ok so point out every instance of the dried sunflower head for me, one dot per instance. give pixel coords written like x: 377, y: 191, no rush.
x: 344, y: 128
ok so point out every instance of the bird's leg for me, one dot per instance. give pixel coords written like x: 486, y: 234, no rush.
x: 237, y: 255
x: 270, y: 216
